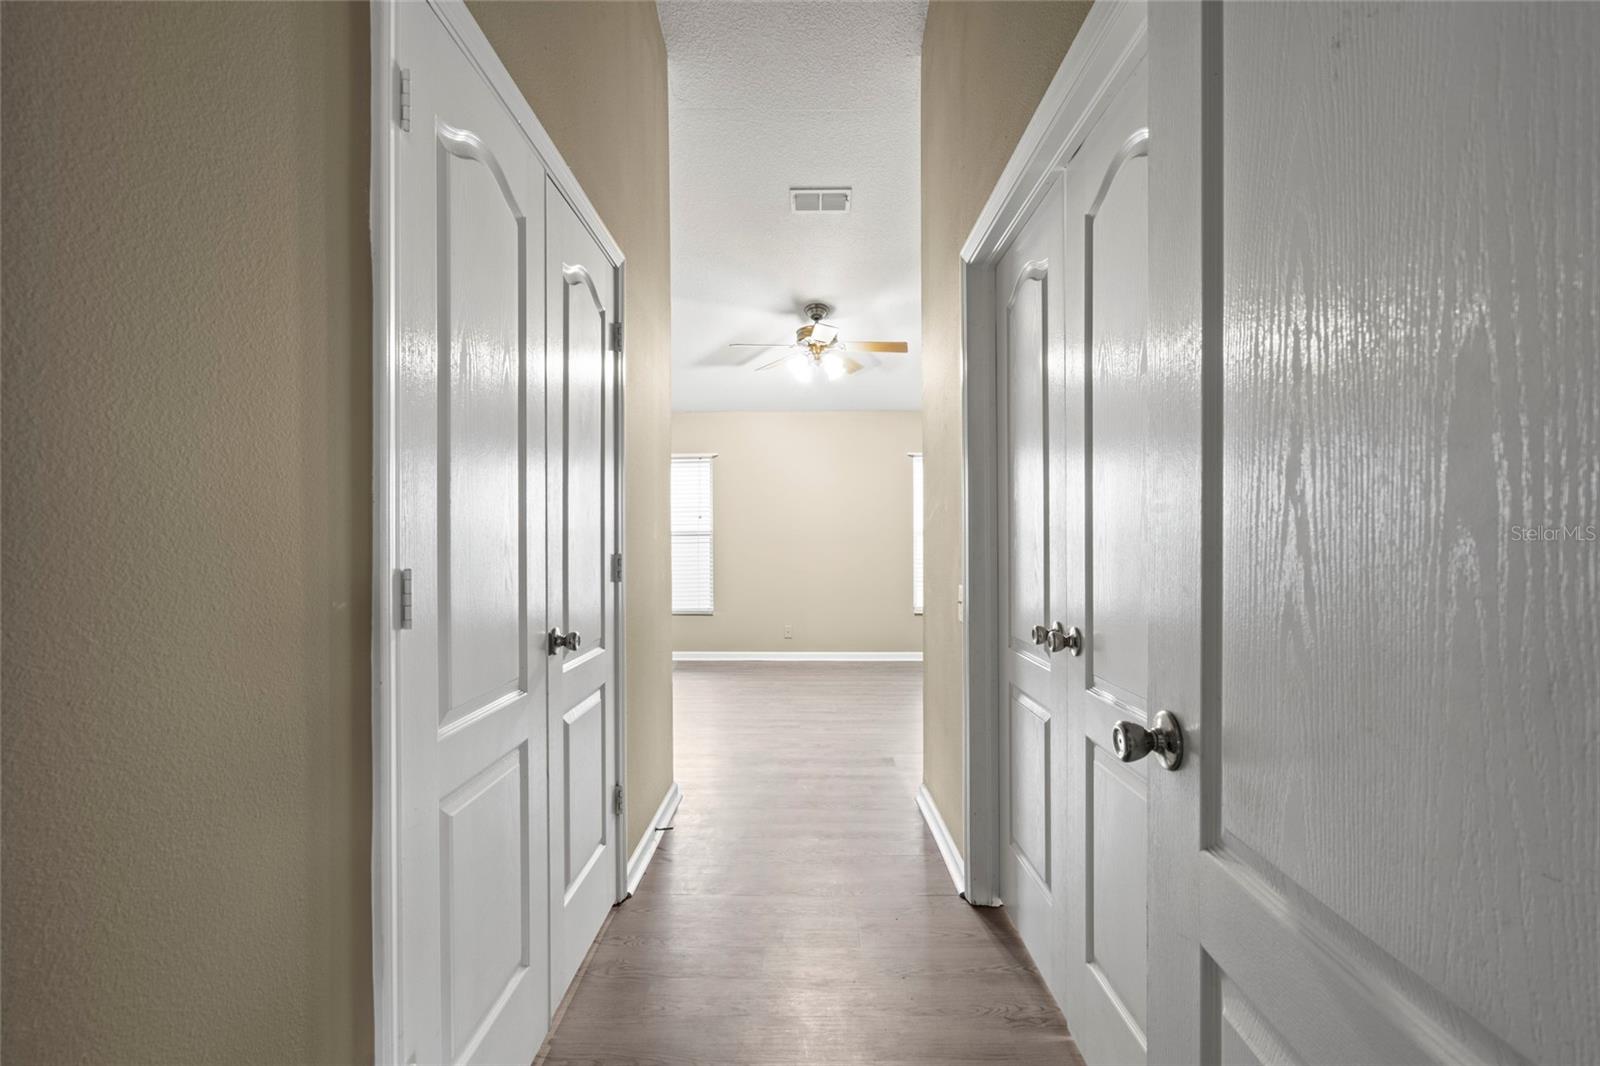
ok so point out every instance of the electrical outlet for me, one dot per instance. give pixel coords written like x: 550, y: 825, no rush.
x: 788, y: 632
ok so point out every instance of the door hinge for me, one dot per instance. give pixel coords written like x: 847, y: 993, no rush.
x: 616, y: 566
x: 616, y: 336
x: 616, y: 799
x: 405, y: 598
x: 405, y: 100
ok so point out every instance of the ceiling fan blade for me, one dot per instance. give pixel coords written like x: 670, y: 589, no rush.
x: 851, y: 366
x: 773, y: 364
x: 887, y: 347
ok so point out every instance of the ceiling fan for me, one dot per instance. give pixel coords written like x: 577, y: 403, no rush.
x: 818, y: 350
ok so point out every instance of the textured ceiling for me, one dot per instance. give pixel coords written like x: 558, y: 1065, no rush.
x: 765, y: 96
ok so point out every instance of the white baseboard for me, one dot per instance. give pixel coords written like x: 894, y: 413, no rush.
x: 797, y: 656
x: 941, y: 837
x: 640, y: 859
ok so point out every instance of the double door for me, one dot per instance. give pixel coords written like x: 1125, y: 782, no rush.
x: 504, y: 509
x: 1070, y: 305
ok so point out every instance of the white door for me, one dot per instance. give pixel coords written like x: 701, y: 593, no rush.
x: 1033, y: 794
x: 581, y: 452
x: 1377, y: 609
x: 469, y: 485
x: 1107, y: 548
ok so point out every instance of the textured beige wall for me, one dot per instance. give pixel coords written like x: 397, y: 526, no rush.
x: 596, y: 75
x: 187, y: 381
x: 984, y: 68
x: 812, y: 520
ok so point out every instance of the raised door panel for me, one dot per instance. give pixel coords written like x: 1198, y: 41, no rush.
x: 1116, y: 812
x: 583, y: 764
x: 584, y: 454
x: 487, y: 943
x: 1030, y: 787
x: 482, y: 286
x: 1027, y: 422
x: 1115, y: 282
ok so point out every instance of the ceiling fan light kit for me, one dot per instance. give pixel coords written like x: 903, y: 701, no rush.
x: 805, y: 369
x: 817, y: 347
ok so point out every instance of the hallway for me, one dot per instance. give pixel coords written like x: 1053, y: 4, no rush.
x: 798, y: 912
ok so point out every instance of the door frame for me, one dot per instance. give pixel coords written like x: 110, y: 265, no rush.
x: 1113, y: 38
x: 385, y: 87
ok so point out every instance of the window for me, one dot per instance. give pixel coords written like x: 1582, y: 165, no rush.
x: 691, y: 534
x: 916, y: 532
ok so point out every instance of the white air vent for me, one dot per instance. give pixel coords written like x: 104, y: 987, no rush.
x: 807, y: 201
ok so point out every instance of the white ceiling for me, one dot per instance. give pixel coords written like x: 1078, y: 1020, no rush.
x: 768, y: 95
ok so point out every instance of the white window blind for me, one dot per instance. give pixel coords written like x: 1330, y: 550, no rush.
x: 916, y: 532
x: 691, y: 535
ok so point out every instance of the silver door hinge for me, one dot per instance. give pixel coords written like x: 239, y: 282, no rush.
x: 405, y: 99
x: 616, y: 566
x: 616, y: 799
x: 405, y: 598
x: 616, y: 336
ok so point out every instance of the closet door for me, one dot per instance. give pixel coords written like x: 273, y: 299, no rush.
x: 1032, y: 643
x: 580, y: 646
x: 469, y: 655
x: 1107, y: 420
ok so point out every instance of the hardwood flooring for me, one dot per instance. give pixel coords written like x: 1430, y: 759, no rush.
x: 799, y: 912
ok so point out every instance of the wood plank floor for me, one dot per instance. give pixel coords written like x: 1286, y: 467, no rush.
x: 799, y: 912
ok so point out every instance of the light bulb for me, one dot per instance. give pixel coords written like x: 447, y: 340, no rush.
x: 833, y: 366
x: 800, y: 369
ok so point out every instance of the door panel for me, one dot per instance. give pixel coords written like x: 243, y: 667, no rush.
x: 1030, y: 786
x: 1106, y: 278
x: 484, y: 841
x: 582, y: 505
x: 483, y: 270
x: 1033, y: 793
x: 583, y: 754
x: 1026, y: 441
x: 1117, y: 807
x: 1386, y: 844
x: 1115, y: 281
x: 584, y: 452
x: 469, y: 696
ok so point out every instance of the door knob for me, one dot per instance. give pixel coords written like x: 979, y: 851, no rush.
x: 1070, y: 639
x: 1132, y: 741
x: 559, y: 640
x: 1040, y: 634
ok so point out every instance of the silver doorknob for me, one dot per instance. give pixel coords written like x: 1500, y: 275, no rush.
x: 1132, y: 741
x: 1070, y: 639
x: 1040, y: 634
x: 558, y: 640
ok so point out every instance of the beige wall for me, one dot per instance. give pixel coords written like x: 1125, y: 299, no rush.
x: 984, y: 68
x: 187, y: 345
x: 186, y: 313
x: 812, y: 520
x: 596, y: 75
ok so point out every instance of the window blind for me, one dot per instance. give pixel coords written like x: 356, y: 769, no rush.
x: 916, y: 533
x: 691, y: 535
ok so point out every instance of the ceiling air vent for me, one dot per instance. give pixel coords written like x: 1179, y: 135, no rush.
x: 812, y: 201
